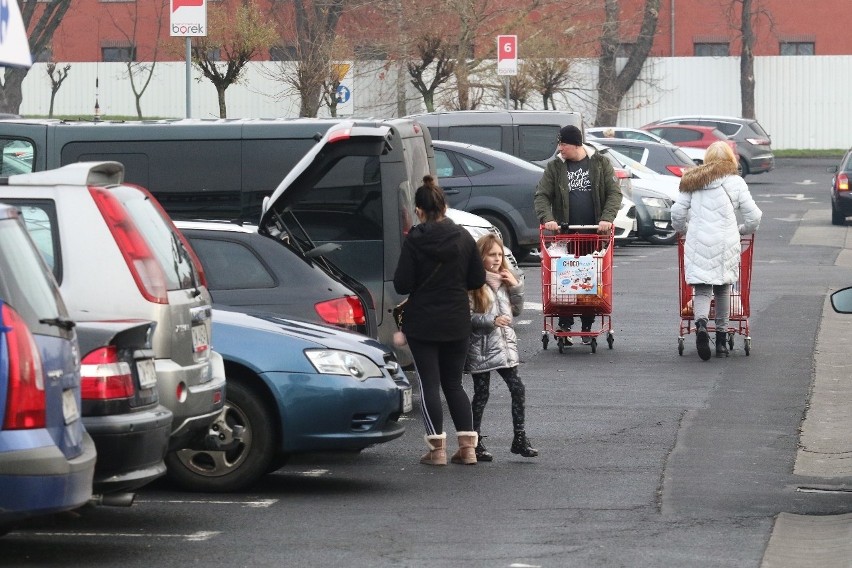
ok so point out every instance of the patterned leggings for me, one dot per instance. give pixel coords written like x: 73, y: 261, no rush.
x: 481, y: 388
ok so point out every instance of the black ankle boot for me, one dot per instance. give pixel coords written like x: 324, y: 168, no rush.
x: 702, y: 339
x: 482, y: 454
x: 721, y: 341
x: 521, y: 445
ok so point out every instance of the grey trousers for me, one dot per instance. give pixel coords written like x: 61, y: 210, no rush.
x: 701, y: 303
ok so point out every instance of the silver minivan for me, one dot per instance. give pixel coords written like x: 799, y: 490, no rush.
x: 117, y: 255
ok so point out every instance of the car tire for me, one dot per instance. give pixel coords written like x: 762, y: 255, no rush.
x: 742, y: 167
x: 837, y: 217
x: 249, y: 456
x: 509, y: 240
x: 667, y: 239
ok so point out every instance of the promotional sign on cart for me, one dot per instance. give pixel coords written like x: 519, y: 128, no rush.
x: 576, y: 275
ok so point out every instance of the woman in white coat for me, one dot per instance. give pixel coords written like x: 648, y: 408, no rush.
x: 706, y: 212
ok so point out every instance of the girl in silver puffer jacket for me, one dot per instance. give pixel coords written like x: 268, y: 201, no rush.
x: 494, y: 343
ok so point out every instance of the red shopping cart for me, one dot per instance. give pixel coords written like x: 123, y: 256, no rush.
x: 576, y: 280
x: 740, y: 303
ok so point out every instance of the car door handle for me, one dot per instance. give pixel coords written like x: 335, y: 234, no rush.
x: 450, y: 190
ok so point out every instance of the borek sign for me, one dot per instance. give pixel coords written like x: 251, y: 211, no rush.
x: 188, y: 18
x: 507, y: 55
x: 14, y: 45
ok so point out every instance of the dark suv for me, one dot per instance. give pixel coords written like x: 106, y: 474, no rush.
x: 753, y: 143
x: 841, y: 197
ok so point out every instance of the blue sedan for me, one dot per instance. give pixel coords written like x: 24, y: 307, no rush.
x: 293, y: 387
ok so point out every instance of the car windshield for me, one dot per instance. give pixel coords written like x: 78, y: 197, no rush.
x: 628, y: 162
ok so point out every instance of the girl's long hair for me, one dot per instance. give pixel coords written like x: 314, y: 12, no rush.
x: 481, y: 298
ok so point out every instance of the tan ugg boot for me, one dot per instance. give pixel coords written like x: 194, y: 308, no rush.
x: 437, y: 454
x: 467, y: 448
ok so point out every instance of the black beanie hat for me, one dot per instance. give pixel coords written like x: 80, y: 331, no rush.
x: 571, y: 135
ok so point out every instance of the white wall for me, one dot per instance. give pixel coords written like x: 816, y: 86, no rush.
x: 802, y: 102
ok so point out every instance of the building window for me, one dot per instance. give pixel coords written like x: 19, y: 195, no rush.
x: 370, y: 53
x: 118, y: 54
x: 283, y: 53
x: 711, y: 49
x: 797, y: 48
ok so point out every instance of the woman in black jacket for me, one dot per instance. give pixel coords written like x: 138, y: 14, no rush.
x: 438, y: 265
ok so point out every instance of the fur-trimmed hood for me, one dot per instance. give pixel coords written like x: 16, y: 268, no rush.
x: 700, y: 177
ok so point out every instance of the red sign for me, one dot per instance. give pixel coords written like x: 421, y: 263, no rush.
x: 507, y: 55
x: 507, y: 47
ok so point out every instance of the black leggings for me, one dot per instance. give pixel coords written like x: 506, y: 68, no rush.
x: 440, y: 365
x: 481, y: 387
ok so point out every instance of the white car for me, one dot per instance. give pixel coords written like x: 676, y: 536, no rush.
x: 479, y: 227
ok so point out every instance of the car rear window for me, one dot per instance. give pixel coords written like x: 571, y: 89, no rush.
x: 231, y: 266
x: 536, y: 141
x: 727, y: 128
x: 681, y: 155
x: 164, y: 242
x: 25, y: 282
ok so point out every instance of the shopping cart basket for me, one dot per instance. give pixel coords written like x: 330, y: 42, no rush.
x: 740, y: 302
x: 576, y: 280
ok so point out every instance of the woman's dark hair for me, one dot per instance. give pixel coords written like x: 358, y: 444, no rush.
x: 430, y: 199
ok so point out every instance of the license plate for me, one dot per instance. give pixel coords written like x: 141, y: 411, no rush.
x: 199, y: 339
x: 147, y: 373
x: 69, y: 407
x: 407, y: 403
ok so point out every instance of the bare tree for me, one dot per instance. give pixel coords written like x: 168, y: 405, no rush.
x: 612, y: 84
x: 139, y: 73
x: 57, y: 76
x: 747, y: 13
x: 430, y: 49
x: 235, y: 36
x: 40, y: 20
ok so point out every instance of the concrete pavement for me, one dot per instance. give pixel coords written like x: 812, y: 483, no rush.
x: 824, y: 458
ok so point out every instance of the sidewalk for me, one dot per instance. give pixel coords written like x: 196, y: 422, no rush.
x: 825, y: 452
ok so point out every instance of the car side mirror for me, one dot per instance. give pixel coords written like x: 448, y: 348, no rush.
x: 841, y: 300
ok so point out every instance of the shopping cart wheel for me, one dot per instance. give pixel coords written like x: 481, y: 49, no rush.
x: 560, y: 342
x: 730, y: 340
x: 544, y: 341
x: 610, y: 339
x: 680, y: 346
x: 747, y: 345
x: 594, y: 343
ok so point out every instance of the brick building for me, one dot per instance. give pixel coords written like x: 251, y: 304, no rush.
x: 103, y: 30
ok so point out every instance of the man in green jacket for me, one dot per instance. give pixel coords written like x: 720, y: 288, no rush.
x: 578, y: 187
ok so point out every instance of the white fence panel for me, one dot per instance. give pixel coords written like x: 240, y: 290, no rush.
x: 803, y: 102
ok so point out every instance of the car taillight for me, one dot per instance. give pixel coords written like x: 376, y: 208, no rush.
x: 842, y: 182
x: 25, y: 401
x: 677, y: 170
x: 104, y: 376
x: 143, y: 265
x: 759, y: 141
x: 346, y: 311
x: 342, y: 134
x: 199, y: 269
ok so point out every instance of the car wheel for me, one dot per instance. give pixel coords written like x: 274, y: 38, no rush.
x: 508, y: 237
x: 837, y: 217
x: 244, y: 432
x: 667, y: 239
x: 742, y: 167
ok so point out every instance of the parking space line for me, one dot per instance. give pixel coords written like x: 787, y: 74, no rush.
x: 197, y: 536
x: 262, y: 503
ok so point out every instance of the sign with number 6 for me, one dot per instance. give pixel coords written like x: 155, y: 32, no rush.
x: 507, y: 55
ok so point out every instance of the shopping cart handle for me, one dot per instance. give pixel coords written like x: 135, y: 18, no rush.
x: 566, y: 227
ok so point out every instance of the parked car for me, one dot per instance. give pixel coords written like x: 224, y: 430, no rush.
x: 245, y: 269
x: 479, y: 227
x: 120, y: 407
x: 294, y: 387
x: 529, y: 135
x: 652, y: 193
x: 494, y: 185
x: 696, y: 137
x: 841, y: 198
x: 47, y: 459
x: 664, y: 159
x: 753, y: 144
x: 116, y: 255
x: 624, y: 133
